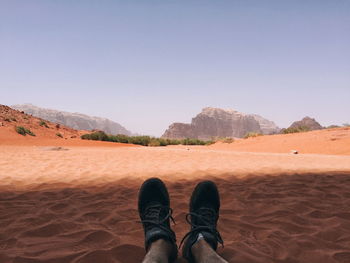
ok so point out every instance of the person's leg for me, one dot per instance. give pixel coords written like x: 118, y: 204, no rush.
x: 203, y: 253
x: 155, y: 214
x: 159, y: 252
x: 201, y: 242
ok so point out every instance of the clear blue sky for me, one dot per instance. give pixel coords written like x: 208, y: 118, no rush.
x: 146, y: 64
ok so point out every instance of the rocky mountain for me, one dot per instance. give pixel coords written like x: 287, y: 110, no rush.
x: 216, y: 122
x: 14, y: 123
x: 267, y: 126
x: 307, y: 122
x: 76, y: 121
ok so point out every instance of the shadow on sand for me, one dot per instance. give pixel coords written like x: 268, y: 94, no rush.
x: 285, y: 218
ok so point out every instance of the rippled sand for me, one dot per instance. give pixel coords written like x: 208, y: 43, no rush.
x: 78, y: 204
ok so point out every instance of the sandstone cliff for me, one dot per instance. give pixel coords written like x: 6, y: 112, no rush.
x: 76, y: 121
x: 307, y: 122
x: 215, y: 122
x: 267, y: 126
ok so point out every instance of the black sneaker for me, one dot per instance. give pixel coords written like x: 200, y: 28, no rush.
x: 203, y: 217
x: 155, y: 213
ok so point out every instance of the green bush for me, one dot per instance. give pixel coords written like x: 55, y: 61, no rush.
x: 189, y: 141
x: 227, y: 140
x: 154, y: 142
x: 59, y: 135
x: 43, y: 124
x: 252, y: 134
x: 23, y: 131
x: 295, y: 130
x: 122, y: 138
x: 173, y: 142
x: 96, y: 136
x: 141, y: 140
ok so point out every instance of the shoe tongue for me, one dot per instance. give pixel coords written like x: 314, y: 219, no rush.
x: 154, y: 203
x: 207, y: 213
x: 205, y: 217
x: 162, y: 211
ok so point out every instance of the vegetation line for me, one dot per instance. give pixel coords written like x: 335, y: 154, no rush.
x: 141, y: 140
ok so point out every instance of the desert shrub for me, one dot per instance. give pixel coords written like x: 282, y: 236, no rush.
x: 112, y: 138
x: 98, y: 136
x: 173, y: 142
x: 141, y: 140
x: 30, y: 132
x: 162, y: 142
x: 13, y: 119
x: 23, y: 131
x: 58, y: 126
x: 85, y: 136
x: 7, y: 119
x: 189, y: 141
x: 295, y: 130
x: 154, y: 142
x: 332, y: 126
x: 59, y: 135
x: 43, y: 124
x: 252, y: 134
x: 228, y: 140
x: 122, y: 138
x: 210, y: 142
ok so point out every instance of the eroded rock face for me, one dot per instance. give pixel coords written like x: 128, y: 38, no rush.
x: 267, y: 126
x: 307, y: 122
x: 76, y: 121
x: 179, y: 130
x: 215, y: 122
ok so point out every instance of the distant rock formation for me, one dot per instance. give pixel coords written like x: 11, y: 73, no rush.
x: 76, y: 121
x: 216, y: 122
x: 308, y: 123
x: 267, y: 127
x: 15, y: 120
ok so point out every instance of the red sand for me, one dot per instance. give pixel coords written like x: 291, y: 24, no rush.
x: 299, y: 218
x: 8, y: 136
x: 78, y: 204
x: 330, y: 141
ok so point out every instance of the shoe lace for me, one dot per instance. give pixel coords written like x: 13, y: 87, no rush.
x: 206, y: 219
x: 152, y: 217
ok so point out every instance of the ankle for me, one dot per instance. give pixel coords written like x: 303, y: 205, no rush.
x: 160, y: 244
x: 163, y: 248
x: 198, y: 247
x: 204, y: 253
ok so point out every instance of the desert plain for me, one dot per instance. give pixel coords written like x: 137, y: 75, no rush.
x: 76, y: 201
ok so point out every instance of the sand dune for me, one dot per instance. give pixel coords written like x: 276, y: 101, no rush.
x: 69, y: 200
x: 78, y: 204
x: 329, y: 141
x: 8, y: 136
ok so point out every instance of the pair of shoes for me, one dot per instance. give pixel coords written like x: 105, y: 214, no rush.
x: 155, y: 213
